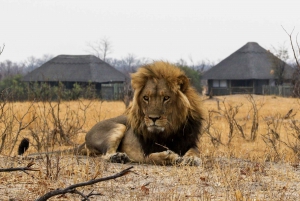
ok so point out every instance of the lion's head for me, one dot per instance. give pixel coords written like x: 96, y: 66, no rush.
x: 164, y: 103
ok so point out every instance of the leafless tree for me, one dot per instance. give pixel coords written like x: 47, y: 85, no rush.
x: 1, y: 49
x: 204, y: 65
x: 32, y: 62
x: 9, y: 68
x: 213, y: 133
x: 272, y: 135
x: 279, y: 62
x: 12, y: 122
x: 100, y: 48
x: 58, y: 123
x: 181, y: 62
x: 296, y: 53
x: 128, y: 65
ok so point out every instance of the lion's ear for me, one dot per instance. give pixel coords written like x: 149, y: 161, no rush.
x: 183, y: 82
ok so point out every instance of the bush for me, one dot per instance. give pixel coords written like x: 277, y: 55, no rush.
x: 17, y: 90
x: 14, y: 87
x: 195, y: 77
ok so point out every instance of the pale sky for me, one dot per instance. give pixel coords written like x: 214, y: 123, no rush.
x: 156, y: 29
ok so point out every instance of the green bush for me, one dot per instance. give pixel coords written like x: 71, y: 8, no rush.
x: 14, y: 89
x: 194, y: 76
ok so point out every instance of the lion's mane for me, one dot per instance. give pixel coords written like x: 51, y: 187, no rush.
x: 186, y: 120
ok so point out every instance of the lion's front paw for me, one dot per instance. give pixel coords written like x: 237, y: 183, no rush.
x: 119, y: 158
x: 189, y: 161
x: 164, y: 157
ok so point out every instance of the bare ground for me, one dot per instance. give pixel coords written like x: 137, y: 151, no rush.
x: 217, y: 178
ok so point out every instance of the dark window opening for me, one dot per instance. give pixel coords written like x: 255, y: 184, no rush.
x: 241, y: 83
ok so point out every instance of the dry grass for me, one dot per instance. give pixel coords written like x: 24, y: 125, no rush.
x: 69, y: 111
x: 242, y: 170
x: 272, y: 109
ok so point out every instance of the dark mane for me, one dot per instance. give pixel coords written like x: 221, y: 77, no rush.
x: 179, y: 142
x: 184, y: 122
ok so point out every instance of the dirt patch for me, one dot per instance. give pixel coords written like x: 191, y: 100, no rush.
x: 216, y: 179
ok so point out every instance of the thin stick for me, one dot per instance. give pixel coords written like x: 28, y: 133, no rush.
x: 162, y: 146
x: 72, y: 188
x: 294, y: 52
x: 18, y: 169
x: 28, y: 167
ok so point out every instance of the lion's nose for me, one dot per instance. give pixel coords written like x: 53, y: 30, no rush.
x: 154, y: 118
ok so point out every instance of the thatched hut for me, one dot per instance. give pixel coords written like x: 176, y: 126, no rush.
x: 83, y: 70
x: 246, y: 71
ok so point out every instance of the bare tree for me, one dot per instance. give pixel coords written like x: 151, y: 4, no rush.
x: 278, y: 57
x: 1, y: 49
x: 203, y: 65
x: 9, y: 68
x: 32, y: 62
x: 296, y: 53
x: 181, y: 62
x: 128, y: 65
x: 100, y: 48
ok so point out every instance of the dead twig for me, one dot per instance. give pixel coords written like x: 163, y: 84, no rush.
x: 24, y: 169
x: 292, y: 45
x: 162, y: 146
x: 72, y: 188
x: 1, y: 49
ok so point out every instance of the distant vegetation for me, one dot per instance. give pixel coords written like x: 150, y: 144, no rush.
x: 194, y: 76
x: 11, y: 74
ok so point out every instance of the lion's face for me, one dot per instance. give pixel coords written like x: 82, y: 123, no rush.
x: 156, y: 102
x: 163, y: 101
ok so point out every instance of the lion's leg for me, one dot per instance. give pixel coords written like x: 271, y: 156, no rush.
x: 105, y: 139
x: 191, y: 157
x: 192, y: 152
x: 132, y: 147
x: 163, y: 158
x: 113, y: 142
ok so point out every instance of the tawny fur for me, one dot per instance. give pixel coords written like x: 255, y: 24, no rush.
x: 163, y: 123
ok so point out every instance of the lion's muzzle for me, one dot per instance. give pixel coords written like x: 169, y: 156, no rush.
x: 155, y: 129
x: 155, y: 124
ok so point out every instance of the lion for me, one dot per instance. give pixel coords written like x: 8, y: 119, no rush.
x: 161, y: 126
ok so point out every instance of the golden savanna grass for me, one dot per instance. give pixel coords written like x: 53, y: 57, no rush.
x: 270, y: 109
x: 241, y: 170
x: 87, y: 112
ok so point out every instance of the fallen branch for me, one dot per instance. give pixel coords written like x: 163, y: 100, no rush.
x: 72, y: 188
x: 24, y: 169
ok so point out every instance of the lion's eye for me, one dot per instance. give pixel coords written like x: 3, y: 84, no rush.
x: 146, y: 98
x: 166, y: 98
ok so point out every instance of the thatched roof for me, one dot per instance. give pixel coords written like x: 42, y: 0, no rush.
x: 76, y: 68
x: 249, y: 62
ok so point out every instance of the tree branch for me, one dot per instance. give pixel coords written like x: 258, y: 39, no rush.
x: 72, y: 188
x: 294, y: 52
x: 28, y: 167
x: 1, y: 50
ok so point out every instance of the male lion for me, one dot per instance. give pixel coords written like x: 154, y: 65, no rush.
x: 161, y: 126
